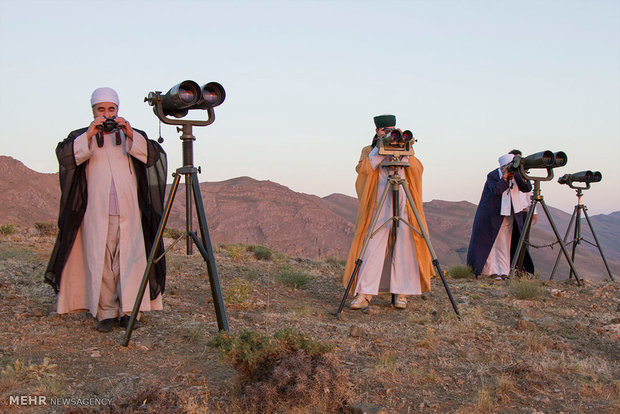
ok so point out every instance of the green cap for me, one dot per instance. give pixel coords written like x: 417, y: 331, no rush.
x: 382, y: 121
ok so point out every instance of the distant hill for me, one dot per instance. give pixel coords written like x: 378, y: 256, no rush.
x: 245, y: 210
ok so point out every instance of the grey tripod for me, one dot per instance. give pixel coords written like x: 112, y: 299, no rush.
x: 395, y: 181
x: 517, y: 261
x: 576, y: 218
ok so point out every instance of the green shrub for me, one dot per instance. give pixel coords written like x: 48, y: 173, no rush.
x: 261, y: 252
x: 46, y: 229
x: 236, y: 252
x: 293, y: 278
x: 460, y: 272
x: 7, y: 229
x: 237, y: 291
x: 526, y: 288
x: 288, y: 370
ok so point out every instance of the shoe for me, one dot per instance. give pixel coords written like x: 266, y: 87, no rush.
x: 105, y: 325
x: 124, y: 322
x: 400, y: 302
x: 360, y: 302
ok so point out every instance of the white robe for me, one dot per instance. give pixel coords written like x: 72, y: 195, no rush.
x: 404, y: 275
x: 80, y: 283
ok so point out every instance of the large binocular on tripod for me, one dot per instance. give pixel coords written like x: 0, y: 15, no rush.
x: 543, y: 159
x: 189, y: 95
x: 581, y: 177
x: 395, y: 136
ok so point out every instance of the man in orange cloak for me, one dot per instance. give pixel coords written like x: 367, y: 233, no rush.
x: 402, y: 266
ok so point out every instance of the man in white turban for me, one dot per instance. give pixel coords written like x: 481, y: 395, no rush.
x: 494, y: 235
x: 112, y: 179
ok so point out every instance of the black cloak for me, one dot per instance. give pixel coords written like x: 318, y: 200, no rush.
x: 488, y: 222
x: 151, y: 183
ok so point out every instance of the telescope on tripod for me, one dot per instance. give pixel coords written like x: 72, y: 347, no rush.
x: 541, y: 160
x: 585, y: 178
x: 177, y: 102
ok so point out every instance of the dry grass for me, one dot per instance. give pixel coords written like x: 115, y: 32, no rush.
x: 422, y: 359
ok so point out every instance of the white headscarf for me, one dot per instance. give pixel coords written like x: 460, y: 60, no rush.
x: 104, y: 95
x: 505, y: 159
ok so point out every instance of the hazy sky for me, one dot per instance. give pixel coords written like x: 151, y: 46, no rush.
x: 472, y: 79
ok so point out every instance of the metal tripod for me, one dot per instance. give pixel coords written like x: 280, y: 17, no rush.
x: 517, y: 260
x: 576, y: 218
x: 192, y: 186
x: 395, y: 181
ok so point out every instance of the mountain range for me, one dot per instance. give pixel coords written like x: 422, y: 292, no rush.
x: 245, y: 210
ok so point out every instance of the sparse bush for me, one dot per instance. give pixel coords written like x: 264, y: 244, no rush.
x: 237, y: 291
x: 173, y: 233
x: 387, y: 362
x: 45, y: 229
x: 528, y: 289
x: 335, y: 261
x: 261, y: 252
x: 484, y: 401
x: 7, y: 229
x: 293, y: 278
x: 236, y: 252
x: 285, y: 371
x: 194, y: 332
x: 460, y: 272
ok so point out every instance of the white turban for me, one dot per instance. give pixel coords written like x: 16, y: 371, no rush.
x: 505, y: 159
x: 104, y: 95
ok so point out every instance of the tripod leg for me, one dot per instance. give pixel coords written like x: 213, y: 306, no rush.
x: 188, y: 214
x: 207, y: 253
x: 358, y: 262
x: 557, y: 236
x: 149, y: 264
x: 585, y: 213
x: 521, y: 246
x: 427, y: 239
x: 570, y: 224
x: 576, y: 238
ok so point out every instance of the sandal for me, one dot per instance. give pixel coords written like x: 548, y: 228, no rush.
x: 360, y: 302
x: 400, y: 302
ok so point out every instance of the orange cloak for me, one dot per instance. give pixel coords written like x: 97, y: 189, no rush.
x: 366, y: 187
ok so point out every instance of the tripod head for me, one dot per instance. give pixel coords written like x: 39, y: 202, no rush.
x: 394, y: 149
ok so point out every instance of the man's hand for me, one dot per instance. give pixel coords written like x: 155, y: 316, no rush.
x: 535, y: 219
x: 125, y: 126
x: 93, y: 128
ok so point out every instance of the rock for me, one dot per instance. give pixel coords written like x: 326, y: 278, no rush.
x: 613, y: 331
x: 547, y: 322
x: 557, y: 293
x: 356, y: 331
x: 524, y: 325
x: 361, y: 408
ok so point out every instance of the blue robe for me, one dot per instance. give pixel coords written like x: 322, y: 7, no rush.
x: 488, y: 220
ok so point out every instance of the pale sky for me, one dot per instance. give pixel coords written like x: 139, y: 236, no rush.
x: 471, y: 79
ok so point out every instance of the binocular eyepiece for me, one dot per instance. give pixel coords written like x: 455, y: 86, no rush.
x: 543, y: 159
x: 581, y: 177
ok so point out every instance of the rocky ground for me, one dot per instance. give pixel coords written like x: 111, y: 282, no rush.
x: 555, y: 351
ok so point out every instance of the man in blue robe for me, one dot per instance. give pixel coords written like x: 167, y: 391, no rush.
x: 494, y: 235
